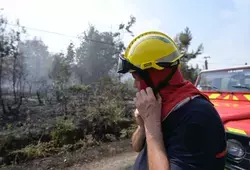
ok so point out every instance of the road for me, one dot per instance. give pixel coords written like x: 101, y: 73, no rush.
x: 122, y: 161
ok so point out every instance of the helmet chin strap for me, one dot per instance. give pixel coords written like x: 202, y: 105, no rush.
x: 144, y: 74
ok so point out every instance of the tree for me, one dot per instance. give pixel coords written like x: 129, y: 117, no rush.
x: 96, y: 58
x: 11, y: 64
x: 59, y: 71
x: 4, y: 51
x: 183, y: 40
x: 70, y: 56
x: 70, y: 63
x: 127, y: 27
x: 60, y: 74
x: 21, y: 74
x: 37, y: 60
x: 98, y: 52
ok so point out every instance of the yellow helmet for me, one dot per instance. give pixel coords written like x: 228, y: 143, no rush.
x: 149, y: 50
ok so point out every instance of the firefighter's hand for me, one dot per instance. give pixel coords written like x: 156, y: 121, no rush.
x: 138, y: 119
x: 149, y: 108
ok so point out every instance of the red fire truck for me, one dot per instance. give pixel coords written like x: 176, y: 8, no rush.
x: 229, y: 90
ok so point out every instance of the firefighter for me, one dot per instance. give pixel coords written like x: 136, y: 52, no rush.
x: 178, y: 127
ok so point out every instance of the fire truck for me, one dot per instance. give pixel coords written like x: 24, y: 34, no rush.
x: 229, y: 91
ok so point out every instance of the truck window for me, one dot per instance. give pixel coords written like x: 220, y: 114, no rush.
x: 226, y: 80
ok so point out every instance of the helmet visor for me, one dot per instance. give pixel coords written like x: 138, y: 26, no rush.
x: 124, y: 65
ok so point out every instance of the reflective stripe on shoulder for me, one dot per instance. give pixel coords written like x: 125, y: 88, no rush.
x: 181, y: 103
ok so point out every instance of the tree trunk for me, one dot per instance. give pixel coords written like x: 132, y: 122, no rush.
x: 1, y: 61
x: 1, y: 93
x: 14, y: 79
x: 39, y: 97
x: 30, y: 89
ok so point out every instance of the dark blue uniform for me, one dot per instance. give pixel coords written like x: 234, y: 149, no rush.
x: 193, y: 136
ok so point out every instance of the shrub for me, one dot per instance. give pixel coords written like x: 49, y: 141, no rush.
x: 64, y: 132
x: 127, y: 133
x: 80, y: 89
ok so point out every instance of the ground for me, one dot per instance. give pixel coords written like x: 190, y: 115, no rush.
x: 122, y: 161
x: 115, y: 156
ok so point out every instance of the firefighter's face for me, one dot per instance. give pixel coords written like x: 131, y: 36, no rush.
x: 137, y: 84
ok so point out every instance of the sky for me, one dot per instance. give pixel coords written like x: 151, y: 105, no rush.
x: 223, y: 26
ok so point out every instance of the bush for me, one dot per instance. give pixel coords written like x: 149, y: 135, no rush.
x: 38, y: 150
x: 64, y: 132
x: 95, y: 114
x: 127, y: 133
x: 75, y: 89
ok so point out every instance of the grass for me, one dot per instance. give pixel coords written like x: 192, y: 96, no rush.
x: 36, y: 151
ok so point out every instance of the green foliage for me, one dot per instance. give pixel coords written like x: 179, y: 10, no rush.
x: 62, y: 68
x: 189, y: 72
x: 105, y: 118
x: 127, y: 133
x: 11, y: 64
x: 37, y: 58
x: 108, y: 111
x: 70, y: 56
x: 10, y: 127
x: 183, y: 41
x: 107, y: 107
x: 130, y: 84
x: 113, y: 89
x: 36, y: 151
x: 130, y: 23
x: 61, y: 134
x: 98, y: 56
x: 76, y: 89
x: 60, y: 71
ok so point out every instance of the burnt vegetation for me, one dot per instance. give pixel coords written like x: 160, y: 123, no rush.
x: 56, y: 103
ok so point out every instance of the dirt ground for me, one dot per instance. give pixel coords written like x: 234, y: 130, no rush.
x: 123, y: 161
x: 108, y: 156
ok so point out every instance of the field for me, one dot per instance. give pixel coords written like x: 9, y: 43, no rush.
x: 114, y: 155
x: 59, y: 134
